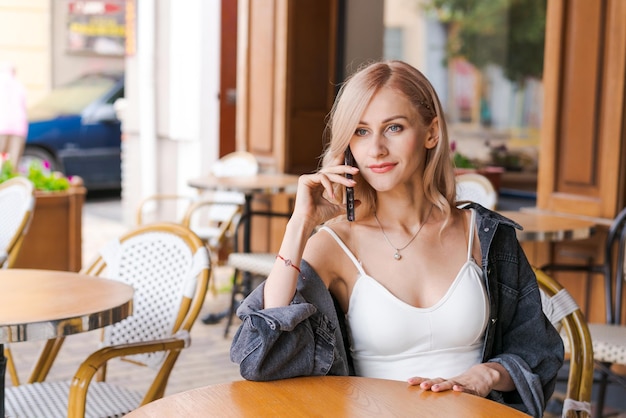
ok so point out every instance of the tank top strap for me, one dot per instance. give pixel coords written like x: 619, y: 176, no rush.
x: 345, y: 249
x: 471, y: 234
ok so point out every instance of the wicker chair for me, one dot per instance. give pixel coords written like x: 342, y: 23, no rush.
x: 564, y: 313
x: 476, y: 188
x: 211, y: 216
x: 17, y: 201
x: 609, y: 338
x: 169, y: 268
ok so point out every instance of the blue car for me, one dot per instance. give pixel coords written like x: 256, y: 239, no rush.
x: 75, y: 129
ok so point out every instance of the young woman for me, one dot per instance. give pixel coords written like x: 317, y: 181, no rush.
x: 432, y: 294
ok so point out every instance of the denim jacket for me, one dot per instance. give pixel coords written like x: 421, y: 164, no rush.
x: 308, y: 336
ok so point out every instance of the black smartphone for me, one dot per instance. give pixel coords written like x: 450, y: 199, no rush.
x: 349, y: 160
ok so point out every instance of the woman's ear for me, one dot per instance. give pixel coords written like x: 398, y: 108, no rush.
x: 432, y: 134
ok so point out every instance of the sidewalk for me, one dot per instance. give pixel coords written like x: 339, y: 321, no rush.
x: 205, y: 362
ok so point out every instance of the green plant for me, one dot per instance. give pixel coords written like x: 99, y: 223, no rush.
x: 460, y: 160
x: 6, y: 171
x: 502, y: 156
x: 508, y: 33
x: 39, y: 174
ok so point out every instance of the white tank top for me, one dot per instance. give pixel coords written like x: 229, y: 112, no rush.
x: 391, y: 339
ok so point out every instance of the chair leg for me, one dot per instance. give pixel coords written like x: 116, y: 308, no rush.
x: 602, y: 385
x: 233, y: 300
x: 242, y: 287
x: 10, y: 366
x: 213, y: 317
x: 214, y: 262
x: 48, y: 354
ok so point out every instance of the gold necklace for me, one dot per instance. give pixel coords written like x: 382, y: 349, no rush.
x: 397, y: 254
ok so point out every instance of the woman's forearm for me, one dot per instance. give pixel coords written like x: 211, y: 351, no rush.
x: 280, y: 286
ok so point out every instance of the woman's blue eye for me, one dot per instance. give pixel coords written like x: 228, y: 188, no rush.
x: 360, y: 132
x: 395, y: 128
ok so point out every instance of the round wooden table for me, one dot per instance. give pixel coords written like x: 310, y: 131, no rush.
x: 44, y: 304
x: 545, y: 227
x: 332, y: 396
x: 263, y: 183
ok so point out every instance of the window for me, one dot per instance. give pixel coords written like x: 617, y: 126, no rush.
x: 485, y: 59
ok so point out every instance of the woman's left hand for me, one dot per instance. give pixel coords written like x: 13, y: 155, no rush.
x: 479, y: 380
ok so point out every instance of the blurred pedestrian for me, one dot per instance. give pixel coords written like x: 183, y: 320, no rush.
x: 13, y: 118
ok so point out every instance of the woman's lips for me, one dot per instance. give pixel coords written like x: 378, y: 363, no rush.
x: 382, y: 168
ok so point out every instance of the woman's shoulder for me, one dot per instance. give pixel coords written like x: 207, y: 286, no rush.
x: 334, y: 230
x: 324, y: 245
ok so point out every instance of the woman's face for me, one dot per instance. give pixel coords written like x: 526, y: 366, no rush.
x: 390, y: 141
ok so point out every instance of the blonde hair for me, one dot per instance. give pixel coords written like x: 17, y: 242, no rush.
x: 354, y: 96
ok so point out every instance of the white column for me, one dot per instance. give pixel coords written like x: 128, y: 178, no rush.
x: 194, y: 86
x: 146, y: 40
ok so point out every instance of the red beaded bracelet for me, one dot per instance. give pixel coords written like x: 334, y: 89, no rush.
x: 288, y: 262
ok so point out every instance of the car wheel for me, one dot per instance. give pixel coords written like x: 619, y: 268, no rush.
x: 32, y: 155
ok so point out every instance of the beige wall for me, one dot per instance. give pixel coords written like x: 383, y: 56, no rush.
x: 33, y: 34
x: 408, y: 15
x: 25, y: 42
x: 66, y: 66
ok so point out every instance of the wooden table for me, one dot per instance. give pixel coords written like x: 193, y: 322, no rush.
x: 266, y: 183
x: 542, y: 230
x: 332, y: 396
x: 43, y: 304
x: 263, y: 183
x: 550, y: 227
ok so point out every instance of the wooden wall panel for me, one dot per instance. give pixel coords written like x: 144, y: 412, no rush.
x: 228, y: 77
x: 261, y: 59
x: 613, y: 112
x: 311, y: 81
x: 285, y: 89
x: 286, y: 80
x: 579, y: 122
x: 581, y: 159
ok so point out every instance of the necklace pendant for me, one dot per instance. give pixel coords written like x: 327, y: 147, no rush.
x: 397, y: 256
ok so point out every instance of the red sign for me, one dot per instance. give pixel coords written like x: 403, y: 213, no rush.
x: 97, y: 27
x: 94, y: 7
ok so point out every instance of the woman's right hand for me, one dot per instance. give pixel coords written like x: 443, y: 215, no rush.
x: 315, y: 200
x: 315, y: 204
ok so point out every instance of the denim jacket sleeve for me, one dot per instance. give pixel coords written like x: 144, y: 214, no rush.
x: 519, y: 337
x: 302, y: 339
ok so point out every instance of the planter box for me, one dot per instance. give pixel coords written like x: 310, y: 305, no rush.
x: 54, y: 239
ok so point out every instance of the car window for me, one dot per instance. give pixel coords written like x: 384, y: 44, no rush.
x: 117, y: 95
x: 71, y: 98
